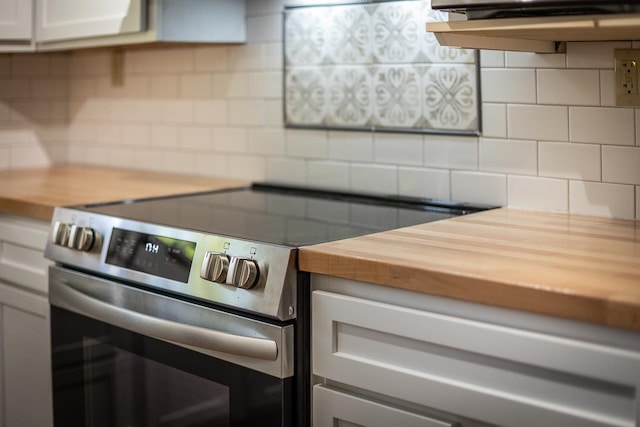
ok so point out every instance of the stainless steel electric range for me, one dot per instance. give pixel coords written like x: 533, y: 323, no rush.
x: 190, y: 310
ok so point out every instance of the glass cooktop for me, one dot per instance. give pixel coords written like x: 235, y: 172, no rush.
x: 286, y: 216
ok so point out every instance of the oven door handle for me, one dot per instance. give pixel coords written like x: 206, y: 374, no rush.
x: 179, y: 333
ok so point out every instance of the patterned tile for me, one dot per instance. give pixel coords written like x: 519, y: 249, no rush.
x: 363, y: 66
x: 449, y: 96
x: 305, y: 33
x: 306, y: 96
x: 396, y: 29
x: 349, y: 35
x: 350, y: 97
x: 396, y: 96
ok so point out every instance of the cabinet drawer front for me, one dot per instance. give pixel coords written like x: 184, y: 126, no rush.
x: 332, y: 406
x: 22, y: 253
x: 478, y: 370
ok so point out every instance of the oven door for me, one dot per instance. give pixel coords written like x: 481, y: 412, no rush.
x: 123, y: 356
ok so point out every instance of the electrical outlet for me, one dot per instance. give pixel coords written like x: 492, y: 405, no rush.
x: 627, y: 75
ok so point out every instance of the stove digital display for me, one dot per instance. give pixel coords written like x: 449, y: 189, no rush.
x: 158, y: 255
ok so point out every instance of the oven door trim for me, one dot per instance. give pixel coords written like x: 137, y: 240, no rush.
x: 257, y: 345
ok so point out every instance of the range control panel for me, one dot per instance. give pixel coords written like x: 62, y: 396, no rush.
x: 245, y: 275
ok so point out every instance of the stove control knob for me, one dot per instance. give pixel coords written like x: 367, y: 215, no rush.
x: 82, y: 238
x: 60, y: 233
x: 215, y: 267
x: 243, y: 273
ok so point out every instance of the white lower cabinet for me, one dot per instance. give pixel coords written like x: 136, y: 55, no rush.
x: 25, y: 348
x: 385, y: 357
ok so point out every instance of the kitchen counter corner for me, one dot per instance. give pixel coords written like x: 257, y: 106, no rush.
x: 576, y: 267
x: 36, y: 192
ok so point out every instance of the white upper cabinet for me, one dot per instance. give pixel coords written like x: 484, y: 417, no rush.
x: 73, y: 19
x: 16, y: 25
x: 74, y: 24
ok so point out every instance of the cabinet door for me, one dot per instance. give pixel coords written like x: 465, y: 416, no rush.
x: 25, y: 359
x: 332, y: 407
x: 491, y: 373
x: 16, y: 19
x: 74, y: 19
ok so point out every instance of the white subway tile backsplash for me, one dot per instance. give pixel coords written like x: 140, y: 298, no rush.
x: 161, y: 61
x: 28, y: 155
x: 541, y: 122
x: 328, y: 174
x: 398, y: 149
x: 265, y: 85
x: 377, y: 179
x: 424, y: 183
x: 569, y: 87
x: 31, y: 110
x: 217, y: 110
x: 245, y: 57
x: 607, y: 88
x: 593, y: 55
x: 492, y: 58
x: 164, y: 86
x: 601, y: 199
x: 164, y: 136
x: 85, y: 63
x: 478, y: 187
x: 621, y: 164
x: 602, y: 125
x: 268, y: 142
x: 535, y: 60
x: 273, y: 56
x: 5, y: 65
x: 454, y: 152
x: 134, y: 86
x: 82, y: 87
x: 231, y: 85
x: 49, y: 87
x: 136, y: 135
x: 494, y: 120
x: 288, y: 171
x: 266, y: 28
x: 178, y: 111
x: 307, y: 143
x: 211, y: 112
x: 351, y: 146
x: 195, y: 86
x: 508, y: 85
x: 247, y: 113
x: 12, y: 88
x: 538, y: 193
x: 230, y: 140
x: 210, y: 58
x: 273, y: 116
x: 212, y: 164
x: 30, y: 65
x: 509, y: 156
x: 4, y: 158
x: 569, y: 160
x: 195, y: 138
x: 251, y: 168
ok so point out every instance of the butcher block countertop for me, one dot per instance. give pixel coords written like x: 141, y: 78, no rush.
x: 36, y: 192
x: 576, y: 267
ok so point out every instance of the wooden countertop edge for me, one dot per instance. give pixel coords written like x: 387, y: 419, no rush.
x: 473, y: 289
x: 26, y: 208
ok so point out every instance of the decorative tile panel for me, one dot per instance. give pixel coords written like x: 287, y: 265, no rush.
x: 373, y: 66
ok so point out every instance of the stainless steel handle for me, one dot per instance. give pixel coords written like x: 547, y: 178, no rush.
x: 189, y: 335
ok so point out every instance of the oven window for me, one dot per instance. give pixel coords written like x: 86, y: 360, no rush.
x: 124, y: 389
x: 108, y: 376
